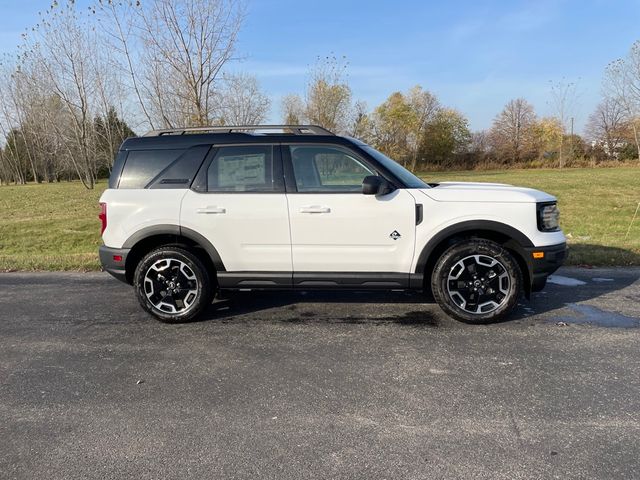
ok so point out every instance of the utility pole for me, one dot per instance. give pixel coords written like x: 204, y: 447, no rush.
x: 571, y: 137
x: 517, y: 145
x: 561, y: 163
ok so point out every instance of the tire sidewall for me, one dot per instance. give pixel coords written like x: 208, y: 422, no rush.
x: 455, y: 253
x: 203, y: 295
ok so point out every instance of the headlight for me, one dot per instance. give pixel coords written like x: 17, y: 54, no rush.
x: 548, y: 217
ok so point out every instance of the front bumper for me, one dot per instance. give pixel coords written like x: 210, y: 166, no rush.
x: 540, y: 268
x: 113, y: 261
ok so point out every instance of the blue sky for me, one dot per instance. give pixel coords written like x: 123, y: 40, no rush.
x: 474, y: 55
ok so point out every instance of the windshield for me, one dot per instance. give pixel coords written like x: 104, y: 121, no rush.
x: 405, y: 176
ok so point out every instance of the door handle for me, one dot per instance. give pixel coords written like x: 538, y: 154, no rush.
x: 211, y: 210
x: 314, y: 209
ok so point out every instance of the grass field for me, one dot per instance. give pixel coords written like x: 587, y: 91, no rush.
x: 55, y: 226
x: 51, y: 226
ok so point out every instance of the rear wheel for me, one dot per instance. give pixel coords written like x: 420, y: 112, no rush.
x: 173, y: 285
x: 477, y: 281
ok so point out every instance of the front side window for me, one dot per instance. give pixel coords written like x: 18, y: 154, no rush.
x: 247, y: 168
x: 320, y: 169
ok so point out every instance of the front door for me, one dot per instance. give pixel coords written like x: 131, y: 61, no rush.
x: 335, y: 228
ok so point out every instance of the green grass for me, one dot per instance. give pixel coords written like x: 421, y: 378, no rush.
x: 51, y: 226
x: 55, y: 226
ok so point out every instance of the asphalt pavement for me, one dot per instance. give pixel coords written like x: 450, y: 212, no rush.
x: 318, y: 385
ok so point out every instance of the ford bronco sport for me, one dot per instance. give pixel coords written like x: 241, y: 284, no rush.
x: 190, y: 212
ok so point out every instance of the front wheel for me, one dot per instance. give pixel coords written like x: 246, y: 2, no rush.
x: 477, y: 281
x: 172, y: 284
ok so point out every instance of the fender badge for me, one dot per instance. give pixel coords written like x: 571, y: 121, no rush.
x: 395, y: 235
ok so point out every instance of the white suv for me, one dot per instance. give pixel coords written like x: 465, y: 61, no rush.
x: 190, y: 212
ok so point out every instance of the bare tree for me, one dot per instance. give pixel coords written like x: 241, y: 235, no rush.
x: 12, y: 167
x: 480, y: 147
x: 241, y: 100
x: 59, y: 57
x: 111, y: 104
x: 80, y: 72
x: 32, y: 149
x: 512, y: 128
x: 607, y: 126
x: 622, y: 82
x: 119, y: 34
x: 171, y: 54
x: 20, y: 107
x: 564, y: 98
x: 186, y: 45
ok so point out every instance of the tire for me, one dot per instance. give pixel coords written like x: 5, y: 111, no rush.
x: 477, y: 281
x: 173, y: 285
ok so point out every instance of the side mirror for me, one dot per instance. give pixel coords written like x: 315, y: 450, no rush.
x: 374, y: 185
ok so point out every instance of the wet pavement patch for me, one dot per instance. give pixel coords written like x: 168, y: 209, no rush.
x: 588, y: 314
x: 565, y: 281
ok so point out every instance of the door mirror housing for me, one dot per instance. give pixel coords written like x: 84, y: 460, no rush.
x: 375, y: 185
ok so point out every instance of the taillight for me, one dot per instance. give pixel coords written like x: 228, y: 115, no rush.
x: 103, y: 216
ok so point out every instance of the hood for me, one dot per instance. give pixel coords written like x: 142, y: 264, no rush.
x: 485, y: 192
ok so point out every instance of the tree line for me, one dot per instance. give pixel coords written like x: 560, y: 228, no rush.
x: 82, y: 80
x: 417, y: 130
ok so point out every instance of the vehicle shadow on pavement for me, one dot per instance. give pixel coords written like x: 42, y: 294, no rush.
x: 350, y: 307
x: 379, y: 307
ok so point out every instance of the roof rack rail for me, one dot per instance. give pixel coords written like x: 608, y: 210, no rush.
x: 294, y: 129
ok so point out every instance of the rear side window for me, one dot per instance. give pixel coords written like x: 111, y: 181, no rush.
x: 142, y: 166
x: 247, y: 168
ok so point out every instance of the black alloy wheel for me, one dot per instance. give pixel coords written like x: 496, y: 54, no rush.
x: 172, y: 284
x: 477, y: 281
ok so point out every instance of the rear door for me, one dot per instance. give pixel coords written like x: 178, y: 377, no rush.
x: 238, y: 204
x: 336, y: 228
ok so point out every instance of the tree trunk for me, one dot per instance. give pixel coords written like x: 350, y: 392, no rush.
x: 635, y: 137
x: 414, y: 162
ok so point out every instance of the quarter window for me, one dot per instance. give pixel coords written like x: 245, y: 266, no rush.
x: 181, y: 172
x: 327, y: 169
x: 142, y: 166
